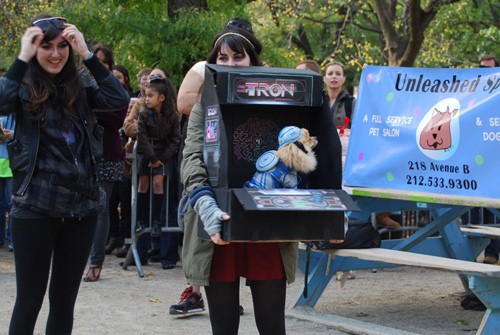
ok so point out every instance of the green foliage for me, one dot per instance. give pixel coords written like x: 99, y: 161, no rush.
x: 349, y: 31
x: 323, y: 25
x: 15, y: 15
x: 142, y: 35
x: 461, y: 35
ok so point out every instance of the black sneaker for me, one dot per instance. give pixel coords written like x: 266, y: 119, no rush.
x: 154, y: 256
x: 191, y: 302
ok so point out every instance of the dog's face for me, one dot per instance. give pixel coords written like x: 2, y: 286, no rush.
x: 308, y: 141
x: 300, y: 156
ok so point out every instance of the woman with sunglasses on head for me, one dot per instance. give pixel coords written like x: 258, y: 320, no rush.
x: 56, y: 198
x: 216, y: 264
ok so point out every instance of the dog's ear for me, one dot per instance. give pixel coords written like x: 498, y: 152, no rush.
x: 305, y: 133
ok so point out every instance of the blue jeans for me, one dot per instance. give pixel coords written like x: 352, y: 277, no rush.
x: 5, y: 194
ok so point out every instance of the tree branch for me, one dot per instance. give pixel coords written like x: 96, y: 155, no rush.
x: 434, y: 4
x: 495, y: 20
x: 321, y: 21
x: 378, y: 31
x: 373, y: 27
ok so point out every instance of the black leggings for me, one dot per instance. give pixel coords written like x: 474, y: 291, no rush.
x: 268, y: 301
x: 37, y: 243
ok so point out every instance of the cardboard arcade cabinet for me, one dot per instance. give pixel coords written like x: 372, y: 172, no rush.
x: 244, y: 110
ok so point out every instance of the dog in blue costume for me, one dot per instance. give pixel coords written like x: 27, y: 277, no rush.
x: 278, y: 169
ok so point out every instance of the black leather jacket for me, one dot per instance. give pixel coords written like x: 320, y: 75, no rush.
x: 35, y: 171
x: 167, y: 137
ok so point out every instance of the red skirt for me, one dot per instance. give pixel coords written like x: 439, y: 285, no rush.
x: 253, y: 261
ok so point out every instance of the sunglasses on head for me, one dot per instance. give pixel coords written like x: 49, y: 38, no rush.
x: 44, y: 24
x: 238, y: 24
x: 337, y: 63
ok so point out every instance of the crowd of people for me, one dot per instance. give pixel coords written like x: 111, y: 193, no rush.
x: 69, y: 198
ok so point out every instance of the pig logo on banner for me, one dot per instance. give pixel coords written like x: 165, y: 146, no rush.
x: 438, y: 134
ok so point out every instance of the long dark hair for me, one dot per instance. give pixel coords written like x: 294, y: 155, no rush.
x: 169, y: 105
x: 106, y: 51
x: 123, y: 70
x: 238, y: 40
x: 64, y: 88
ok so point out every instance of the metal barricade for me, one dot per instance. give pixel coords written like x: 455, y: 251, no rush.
x: 133, y: 252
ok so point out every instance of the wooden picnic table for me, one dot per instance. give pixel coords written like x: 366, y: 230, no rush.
x: 454, y: 249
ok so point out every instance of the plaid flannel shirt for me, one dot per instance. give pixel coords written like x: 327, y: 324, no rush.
x: 44, y: 148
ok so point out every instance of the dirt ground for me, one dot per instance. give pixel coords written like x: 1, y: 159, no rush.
x: 415, y: 300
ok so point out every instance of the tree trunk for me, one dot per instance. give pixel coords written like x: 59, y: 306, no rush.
x: 175, y: 5
x: 404, y: 45
x: 303, y: 42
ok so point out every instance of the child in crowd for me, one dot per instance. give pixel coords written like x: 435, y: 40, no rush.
x: 158, y: 136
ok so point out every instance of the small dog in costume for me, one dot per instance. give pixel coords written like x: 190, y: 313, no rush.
x: 278, y: 169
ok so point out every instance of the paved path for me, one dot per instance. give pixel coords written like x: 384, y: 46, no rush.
x: 409, y: 299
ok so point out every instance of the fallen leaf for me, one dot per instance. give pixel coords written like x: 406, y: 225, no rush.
x: 150, y: 273
x: 158, y: 301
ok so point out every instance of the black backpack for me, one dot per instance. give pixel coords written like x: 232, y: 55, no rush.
x: 360, y: 235
x: 348, y: 106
